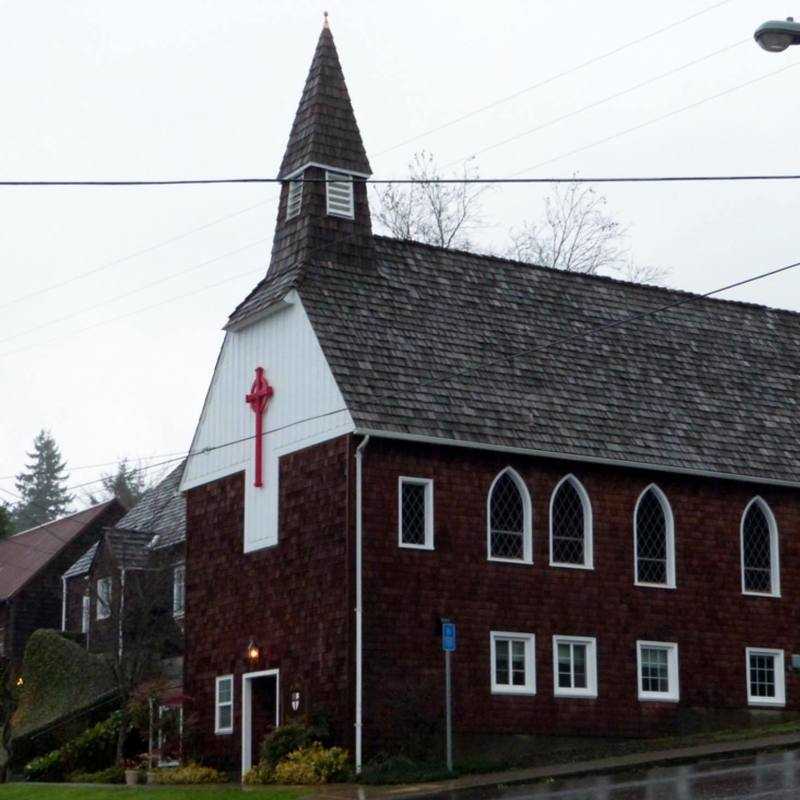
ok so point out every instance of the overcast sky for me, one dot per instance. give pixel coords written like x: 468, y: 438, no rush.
x: 189, y: 89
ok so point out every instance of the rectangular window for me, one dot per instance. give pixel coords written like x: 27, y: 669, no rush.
x: 415, y: 513
x: 766, y: 677
x: 658, y: 671
x: 513, y: 663
x: 340, y: 194
x: 86, y: 613
x: 223, y: 717
x: 104, y: 598
x: 294, y: 199
x: 179, y: 590
x: 575, y: 666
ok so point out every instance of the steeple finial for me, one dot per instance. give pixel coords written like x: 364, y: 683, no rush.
x: 325, y: 24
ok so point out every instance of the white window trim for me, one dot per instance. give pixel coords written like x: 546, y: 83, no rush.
x: 217, y: 704
x: 103, y: 610
x: 588, y: 538
x: 428, y: 484
x: 295, y: 190
x: 339, y: 177
x: 674, y: 693
x: 780, y: 677
x: 530, y: 663
x: 670, y: 526
x: 178, y: 568
x: 86, y: 613
x: 527, y: 527
x: 774, y: 554
x: 591, y: 666
x: 161, y: 710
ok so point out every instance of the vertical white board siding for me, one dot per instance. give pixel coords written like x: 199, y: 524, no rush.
x: 285, y: 344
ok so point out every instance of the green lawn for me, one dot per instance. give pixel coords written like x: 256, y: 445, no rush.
x: 32, y: 791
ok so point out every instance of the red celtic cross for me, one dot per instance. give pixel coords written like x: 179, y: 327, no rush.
x: 260, y: 393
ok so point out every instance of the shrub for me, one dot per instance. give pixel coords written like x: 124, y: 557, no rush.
x: 259, y: 775
x: 109, y: 775
x: 45, y: 768
x: 190, y: 774
x: 402, y: 769
x: 95, y: 749
x: 313, y: 764
x: 285, y: 740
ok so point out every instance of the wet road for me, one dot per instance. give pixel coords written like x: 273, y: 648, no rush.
x: 771, y: 776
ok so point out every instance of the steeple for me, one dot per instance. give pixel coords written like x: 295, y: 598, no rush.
x: 325, y: 131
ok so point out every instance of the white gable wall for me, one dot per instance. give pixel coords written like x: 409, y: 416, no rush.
x: 307, y: 408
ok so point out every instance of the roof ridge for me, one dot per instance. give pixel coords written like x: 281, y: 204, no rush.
x: 65, y: 517
x: 587, y: 276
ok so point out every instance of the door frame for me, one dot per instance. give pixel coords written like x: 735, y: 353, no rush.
x: 247, y: 711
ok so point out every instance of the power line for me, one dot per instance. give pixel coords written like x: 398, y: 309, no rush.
x: 124, y: 295
x: 607, y: 99
x: 662, y: 117
x: 557, y: 76
x: 151, y: 248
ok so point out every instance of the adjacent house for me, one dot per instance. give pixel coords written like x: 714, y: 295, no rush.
x: 132, y: 579
x: 31, y: 565
x: 397, y: 433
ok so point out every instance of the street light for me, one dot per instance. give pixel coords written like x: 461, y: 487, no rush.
x: 776, y: 35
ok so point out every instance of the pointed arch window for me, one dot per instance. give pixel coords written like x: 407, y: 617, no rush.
x: 571, y: 525
x: 654, y: 539
x: 759, y: 541
x: 509, y: 519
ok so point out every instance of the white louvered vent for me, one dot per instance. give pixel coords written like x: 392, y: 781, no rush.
x: 340, y: 194
x: 295, y: 199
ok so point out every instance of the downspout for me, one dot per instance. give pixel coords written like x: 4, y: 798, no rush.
x: 63, y: 603
x: 359, y: 606
x: 121, y: 610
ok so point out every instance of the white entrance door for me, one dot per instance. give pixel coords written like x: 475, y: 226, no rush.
x: 247, y: 712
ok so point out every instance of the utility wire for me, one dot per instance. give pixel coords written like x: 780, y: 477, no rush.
x: 125, y: 295
x: 557, y: 76
x: 106, y: 463
x: 607, y: 99
x: 151, y: 248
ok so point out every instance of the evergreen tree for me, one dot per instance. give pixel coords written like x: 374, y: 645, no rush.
x: 42, y: 485
x: 6, y: 524
x: 127, y: 484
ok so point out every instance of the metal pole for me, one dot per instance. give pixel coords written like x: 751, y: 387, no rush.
x: 448, y: 709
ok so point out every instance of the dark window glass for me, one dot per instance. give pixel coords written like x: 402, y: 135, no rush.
x: 757, y: 550
x: 507, y: 519
x: 413, y: 513
x: 568, y: 526
x: 651, y: 540
x: 655, y: 670
x: 762, y: 675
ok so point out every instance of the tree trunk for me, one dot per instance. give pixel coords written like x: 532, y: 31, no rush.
x: 123, y: 732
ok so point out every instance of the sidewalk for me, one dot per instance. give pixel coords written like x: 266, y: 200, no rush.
x: 652, y: 758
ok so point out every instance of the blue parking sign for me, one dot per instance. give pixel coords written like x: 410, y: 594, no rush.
x: 449, y: 637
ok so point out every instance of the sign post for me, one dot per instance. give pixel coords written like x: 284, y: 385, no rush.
x: 449, y: 646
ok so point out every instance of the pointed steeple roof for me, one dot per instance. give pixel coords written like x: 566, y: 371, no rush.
x: 325, y: 129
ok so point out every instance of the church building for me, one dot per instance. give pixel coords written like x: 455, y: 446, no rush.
x: 605, y: 504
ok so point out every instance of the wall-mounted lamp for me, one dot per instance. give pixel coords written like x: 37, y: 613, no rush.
x: 20, y: 681
x: 253, y: 651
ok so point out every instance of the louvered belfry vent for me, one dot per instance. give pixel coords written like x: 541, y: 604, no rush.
x: 295, y: 198
x: 340, y: 194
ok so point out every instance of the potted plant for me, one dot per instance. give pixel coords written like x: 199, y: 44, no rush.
x: 132, y: 771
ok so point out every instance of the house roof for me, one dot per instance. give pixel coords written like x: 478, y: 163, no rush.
x: 421, y: 341
x: 325, y: 129
x: 83, y: 564
x: 130, y: 549
x: 160, y: 512
x: 23, y: 555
